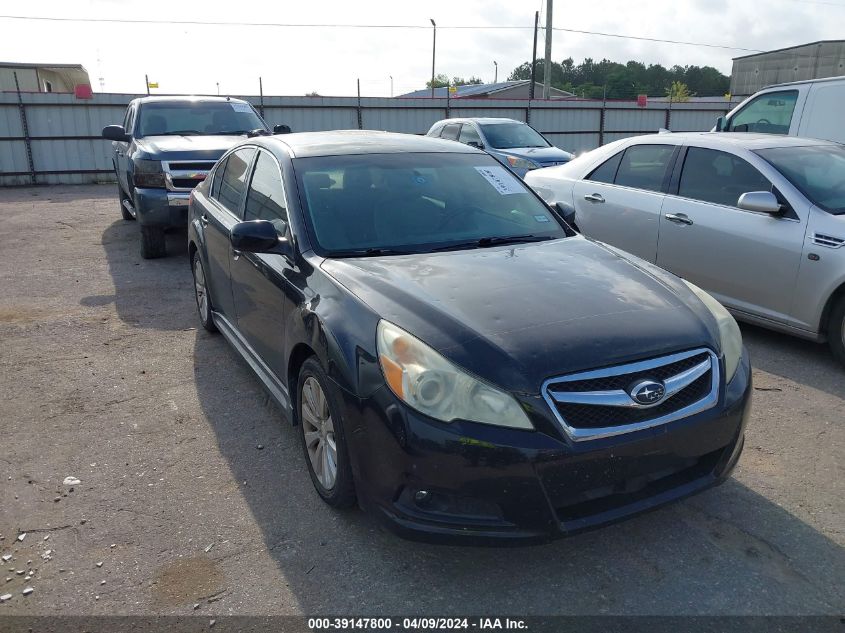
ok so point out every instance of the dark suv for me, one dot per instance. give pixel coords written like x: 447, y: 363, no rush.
x: 164, y: 148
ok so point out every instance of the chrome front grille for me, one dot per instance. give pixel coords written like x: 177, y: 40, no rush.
x: 594, y: 404
x: 185, y: 175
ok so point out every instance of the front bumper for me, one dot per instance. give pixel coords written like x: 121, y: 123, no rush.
x: 480, y: 484
x: 160, y: 207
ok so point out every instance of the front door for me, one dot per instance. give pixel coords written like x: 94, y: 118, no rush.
x: 259, y: 280
x: 747, y: 260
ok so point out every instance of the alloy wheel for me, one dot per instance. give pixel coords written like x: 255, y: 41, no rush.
x: 200, y: 289
x: 318, y: 430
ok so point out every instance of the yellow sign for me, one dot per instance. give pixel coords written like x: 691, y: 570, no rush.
x: 728, y: 96
x: 152, y: 84
x: 453, y: 89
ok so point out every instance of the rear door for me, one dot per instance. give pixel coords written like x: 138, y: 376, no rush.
x: 224, y: 211
x: 747, y: 260
x: 260, y: 287
x: 619, y: 202
x: 121, y: 150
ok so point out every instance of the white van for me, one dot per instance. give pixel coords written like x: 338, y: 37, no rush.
x: 811, y: 109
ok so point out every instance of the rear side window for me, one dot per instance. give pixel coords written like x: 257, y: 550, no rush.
x: 266, y: 197
x: 218, y: 178
x: 718, y: 177
x: 644, y: 166
x: 233, y: 183
x: 451, y: 131
x: 469, y: 134
x: 606, y: 172
x: 770, y: 113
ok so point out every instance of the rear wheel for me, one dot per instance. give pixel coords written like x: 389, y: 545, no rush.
x: 836, y: 331
x: 121, y: 197
x: 201, y: 293
x: 153, y: 244
x: 323, y: 440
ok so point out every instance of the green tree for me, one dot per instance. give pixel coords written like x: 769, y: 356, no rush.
x: 678, y: 92
x: 441, y: 81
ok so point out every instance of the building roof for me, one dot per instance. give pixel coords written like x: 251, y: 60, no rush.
x: 337, y: 142
x: 482, y: 90
x: 28, y: 65
x: 789, y: 48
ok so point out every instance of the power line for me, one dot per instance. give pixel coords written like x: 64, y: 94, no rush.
x: 368, y: 26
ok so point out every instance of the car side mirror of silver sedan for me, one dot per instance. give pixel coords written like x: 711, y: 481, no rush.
x: 761, y: 201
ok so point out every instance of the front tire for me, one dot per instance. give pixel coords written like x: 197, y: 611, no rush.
x: 836, y: 331
x: 204, y: 307
x: 153, y: 244
x: 323, y: 439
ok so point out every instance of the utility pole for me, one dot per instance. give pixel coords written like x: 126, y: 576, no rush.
x: 547, y: 66
x: 147, y: 82
x: 534, y: 57
x: 391, y: 85
x: 433, y: 49
x: 495, y: 72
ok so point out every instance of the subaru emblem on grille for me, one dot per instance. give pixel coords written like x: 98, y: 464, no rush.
x: 648, y: 392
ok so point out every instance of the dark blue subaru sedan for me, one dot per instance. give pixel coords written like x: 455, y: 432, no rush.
x: 457, y: 360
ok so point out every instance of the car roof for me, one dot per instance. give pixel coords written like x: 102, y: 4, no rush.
x: 744, y: 140
x: 488, y: 120
x: 339, y: 142
x: 187, y: 98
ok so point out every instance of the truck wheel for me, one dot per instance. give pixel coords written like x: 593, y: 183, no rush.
x: 120, y: 198
x: 153, y: 244
x: 836, y: 331
x: 323, y: 439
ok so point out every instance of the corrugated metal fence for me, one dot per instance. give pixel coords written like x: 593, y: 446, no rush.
x: 55, y: 138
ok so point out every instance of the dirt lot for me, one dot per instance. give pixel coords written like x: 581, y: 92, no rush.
x: 106, y: 378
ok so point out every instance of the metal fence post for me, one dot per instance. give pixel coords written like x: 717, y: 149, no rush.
x: 360, y: 114
x: 602, y: 115
x: 448, y: 103
x: 668, y: 121
x: 25, y: 126
x: 261, y: 97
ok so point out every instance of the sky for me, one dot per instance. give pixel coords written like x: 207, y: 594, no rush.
x: 190, y: 58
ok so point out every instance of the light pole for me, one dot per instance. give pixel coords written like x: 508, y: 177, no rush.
x: 495, y: 72
x: 391, y: 85
x: 433, y: 50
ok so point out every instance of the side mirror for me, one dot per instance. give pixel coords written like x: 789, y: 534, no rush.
x: 257, y: 132
x: 115, y: 133
x: 281, y: 129
x: 721, y: 124
x: 761, y: 201
x: 476, y: 144
x: 567, y: 212
x: 255, y: 236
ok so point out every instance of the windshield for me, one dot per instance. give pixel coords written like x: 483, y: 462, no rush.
x: 510, y: 135
x: 816, y: 171
x: 197, y: 117
x: 377, y: 204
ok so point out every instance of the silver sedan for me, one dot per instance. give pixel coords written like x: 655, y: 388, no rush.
x: 756, y: 220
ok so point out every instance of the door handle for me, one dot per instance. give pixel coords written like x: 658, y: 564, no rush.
x: 204, y: 220
x: 593, y: 197
x: 678, y: 218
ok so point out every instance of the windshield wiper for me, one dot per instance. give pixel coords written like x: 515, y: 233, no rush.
x: 370, y: 252
x: 230, y: 133
x: 486, y: 242
x: 178, y: 133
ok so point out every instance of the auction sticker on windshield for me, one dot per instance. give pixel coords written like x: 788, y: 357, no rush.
x: 501, y: 179
x: 241, y: 107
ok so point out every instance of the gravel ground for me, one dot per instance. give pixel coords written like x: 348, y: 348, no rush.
x: 106, y: 378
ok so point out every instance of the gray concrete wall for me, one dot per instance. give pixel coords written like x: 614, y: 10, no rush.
x: 813, y: 61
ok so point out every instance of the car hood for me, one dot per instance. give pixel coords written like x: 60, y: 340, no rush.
x: 209, y: 147
x: 519, y: 315
x: 540, y: 155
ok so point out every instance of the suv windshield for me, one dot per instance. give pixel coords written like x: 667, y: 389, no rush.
x: 510, y: 135
x: 383, y: 204
x: 197, y: 117
x: 817, y: 171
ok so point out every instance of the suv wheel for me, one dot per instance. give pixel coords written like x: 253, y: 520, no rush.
x: 323, y: 440
x: 201, y: 293
x: 836, y: 331
x: 153, y: 244
x: 120, y: 198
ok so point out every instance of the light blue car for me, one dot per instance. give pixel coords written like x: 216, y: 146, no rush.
x: 513, y: 143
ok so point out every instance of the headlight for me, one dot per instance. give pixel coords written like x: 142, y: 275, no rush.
x: 520, y: 163
x: 728, y: 330
x: 148, y: 173
x: 432, y: 385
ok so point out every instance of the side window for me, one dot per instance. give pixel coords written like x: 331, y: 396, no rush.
x: 644, y: 166
x: 129, y: 119
x: 218, y: 178
x: 718, y: 177
x: 265, y: 199
x: 770, y: 113
x: 233, y: 183
x: 451, y: 131
x: 469, y: 134
x: 606, y: 172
